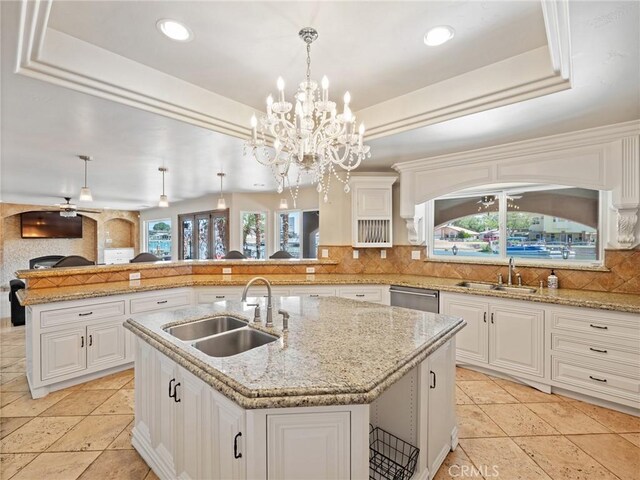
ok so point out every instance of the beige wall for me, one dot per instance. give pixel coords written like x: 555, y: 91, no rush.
x: 16, y: 251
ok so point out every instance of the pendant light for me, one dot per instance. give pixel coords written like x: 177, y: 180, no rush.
x: 164, y: 202
x: 222, y: 204
x: 85, y: 193
x: 284, y: 204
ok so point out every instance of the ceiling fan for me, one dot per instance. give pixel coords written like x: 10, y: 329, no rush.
x: 69, y: 209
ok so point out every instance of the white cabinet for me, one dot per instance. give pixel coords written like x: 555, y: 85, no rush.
x: 507, y: 335
x: 367, y: 293
x: 472, y: 342
x: 162, y: 300
x: 63, y: 352
x: 118, y: 255
x: 516, y: 338
x: 79, y: 349
x: 372, y: 211
x: 441, y: 413
x: 229, y: 454
x: 298, y: 444
x: 105, y: 344
x: 183, y: 428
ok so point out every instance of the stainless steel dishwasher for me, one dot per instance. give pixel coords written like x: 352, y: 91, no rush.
x: 415, y: 298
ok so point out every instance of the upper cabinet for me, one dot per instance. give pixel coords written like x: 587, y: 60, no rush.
x: 372, y: 211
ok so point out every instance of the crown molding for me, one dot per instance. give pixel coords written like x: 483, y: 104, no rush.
x: 556, y: 21
x: 580, y: 138
x: 61, y: 59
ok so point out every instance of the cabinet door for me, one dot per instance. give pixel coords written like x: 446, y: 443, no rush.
x: 441, y: 405
x: 63, y: 352
x: 373, y: 202
x: 229, y: 454
x: 298, y: 444
x: 163, y: 433
x: 146, y: 391
x: 190, y: 403
x: 105, y: 344
x: 472, y: 340
x: 516, y: 339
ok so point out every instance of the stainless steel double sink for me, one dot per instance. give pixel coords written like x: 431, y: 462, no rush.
x: 494, y: 287
x: 220, y: 336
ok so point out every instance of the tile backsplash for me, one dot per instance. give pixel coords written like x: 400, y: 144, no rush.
x: 622, y: 274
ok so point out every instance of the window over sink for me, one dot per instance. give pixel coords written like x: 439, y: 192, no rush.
x: 546, y: 224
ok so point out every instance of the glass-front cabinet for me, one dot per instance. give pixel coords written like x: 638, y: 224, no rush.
x: 204, y: 235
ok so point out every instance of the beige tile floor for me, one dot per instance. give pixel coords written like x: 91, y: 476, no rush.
x: 507, y: 431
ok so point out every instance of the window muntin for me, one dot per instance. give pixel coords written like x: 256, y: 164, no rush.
x: 254, y: 234
x: 158, y: 238
x: 552, y: 224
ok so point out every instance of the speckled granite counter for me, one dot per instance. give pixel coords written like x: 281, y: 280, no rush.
x: 578, y: 298
x: 336, y: 352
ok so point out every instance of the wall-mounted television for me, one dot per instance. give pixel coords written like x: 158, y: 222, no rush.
x: 50, y: 225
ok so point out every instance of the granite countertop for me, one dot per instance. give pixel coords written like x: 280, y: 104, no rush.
x: 336, y: 352
x: 579, y: 298
x: 123, y: 267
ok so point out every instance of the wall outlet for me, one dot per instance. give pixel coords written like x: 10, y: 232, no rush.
x: 226, y: 271
x: 134, y: 276
x: 415, y: 255
x: 311, y: 270
x: 325, y: 253
x: 383, y: 254
x: 356, y: 254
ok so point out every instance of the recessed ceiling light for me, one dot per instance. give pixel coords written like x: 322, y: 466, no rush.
x: 439, y: 35
x: 175, y: 30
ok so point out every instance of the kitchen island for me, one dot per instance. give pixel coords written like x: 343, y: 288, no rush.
x: 301, y: 405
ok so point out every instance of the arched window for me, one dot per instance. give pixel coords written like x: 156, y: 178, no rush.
x: 546, y: 223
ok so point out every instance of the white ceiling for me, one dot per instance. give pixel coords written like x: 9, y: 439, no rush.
x: 45, y: 126
x: 373, y: 49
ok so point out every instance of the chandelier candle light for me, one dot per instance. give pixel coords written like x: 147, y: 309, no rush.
x: 315, y: 138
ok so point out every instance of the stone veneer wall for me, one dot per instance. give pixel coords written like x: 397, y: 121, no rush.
x: 623, y: 275
x: 16, y: 251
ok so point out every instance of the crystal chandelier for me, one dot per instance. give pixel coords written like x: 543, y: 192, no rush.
x: 313, y: 138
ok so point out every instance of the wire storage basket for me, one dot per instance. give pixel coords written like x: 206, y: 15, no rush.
x: 390, y: 458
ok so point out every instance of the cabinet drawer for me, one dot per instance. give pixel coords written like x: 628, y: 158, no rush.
x: 579, y: 372
x: 51, y: 318
x: 601, y: 324
x: 596, y: 349
x: 314, y: 292
x: 218, y: 295
x: 160, y: 302
x: 367, y: 294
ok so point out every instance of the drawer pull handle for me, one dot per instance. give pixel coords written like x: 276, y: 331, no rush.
x: 82, y: 341
x: 85, y: 314
x: 314, y: 295
x: 220, y: 296
x: 599, y: 326
x: 603, y: 380
x: 491, y: 317
x: 175, y: 393
x: 235, y: 446
x: 433, y: 377
x: 171, y: 387
x: 485, y: 317
x: 160, y: 302
x: 90, y: 340
x: 597, y: 350
x: 360, y: 294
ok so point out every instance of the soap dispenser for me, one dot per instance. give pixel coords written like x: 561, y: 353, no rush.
x: 552, y: 280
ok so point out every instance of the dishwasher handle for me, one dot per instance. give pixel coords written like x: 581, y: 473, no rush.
x: 419, y: 294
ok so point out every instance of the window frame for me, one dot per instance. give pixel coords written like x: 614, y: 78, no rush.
x: 276, y: 233
x: 194, y: 216
x: 502, y: 258
x: 265, y: 235
x: 146, y: 233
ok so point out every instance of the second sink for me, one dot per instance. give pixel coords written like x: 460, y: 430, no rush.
x: 205, y: 328
x: 234, y: 342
